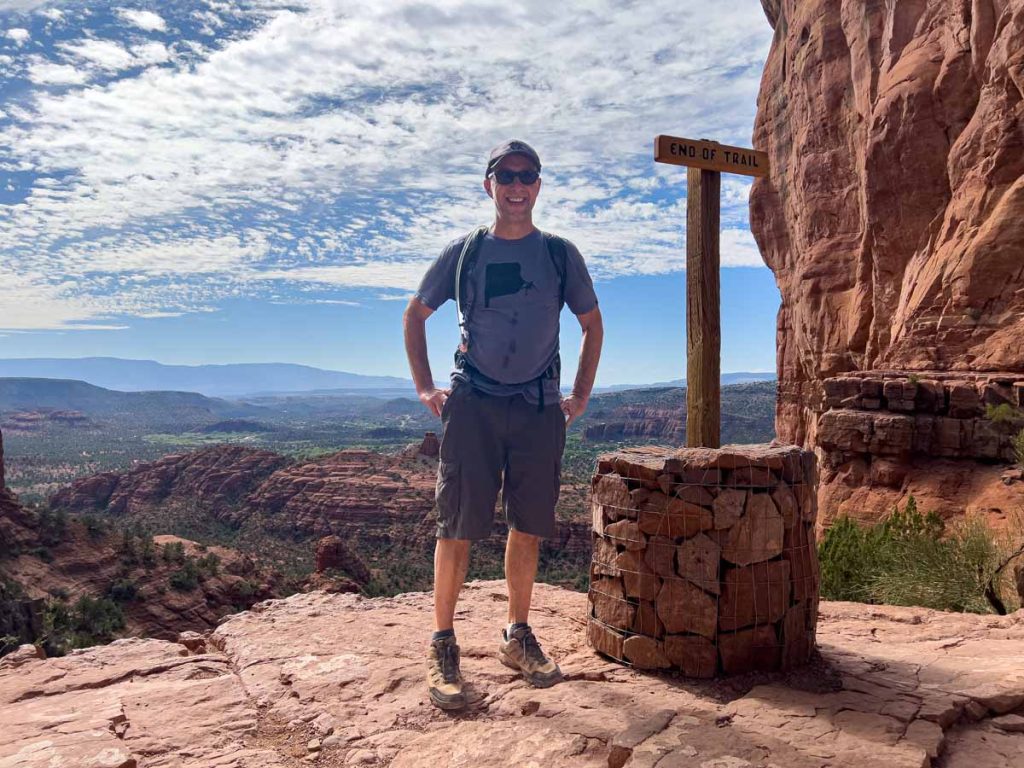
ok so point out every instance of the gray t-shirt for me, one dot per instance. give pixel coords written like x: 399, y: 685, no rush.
x: 514, y: 326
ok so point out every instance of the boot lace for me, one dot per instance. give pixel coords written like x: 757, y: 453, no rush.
x: 449, y: 658
x: 532, y: 649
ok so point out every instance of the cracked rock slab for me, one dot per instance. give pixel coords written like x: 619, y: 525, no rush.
x: 894, y: 687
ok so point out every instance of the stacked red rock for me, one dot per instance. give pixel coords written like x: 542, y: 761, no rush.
x: 892, y: 222
x: 705, y: 559
x: 332, y: 554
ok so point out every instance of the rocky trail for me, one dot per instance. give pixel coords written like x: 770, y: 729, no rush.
x: 337, y: 680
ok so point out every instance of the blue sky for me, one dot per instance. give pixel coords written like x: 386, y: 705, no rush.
x: 220, y: 181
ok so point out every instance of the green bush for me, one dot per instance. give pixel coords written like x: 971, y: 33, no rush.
x: 52, y: 526
x: 173, y: 552
x: 123, y: 591
x: 186, y: 578
x: 1004, y: 413
x: 911, y: 559
x: 94, y: 526
x: 209, y: 565
x: 89, y: 621
x: 1017, y: 441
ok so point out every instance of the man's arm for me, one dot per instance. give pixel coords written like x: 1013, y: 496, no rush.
x: 590, y: 354
x: 414, y: 322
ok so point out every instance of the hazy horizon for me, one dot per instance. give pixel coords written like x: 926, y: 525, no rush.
x: 245, y: 180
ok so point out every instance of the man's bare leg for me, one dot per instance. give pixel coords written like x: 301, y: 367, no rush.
x: 521, y: 554
x: 451, y: 561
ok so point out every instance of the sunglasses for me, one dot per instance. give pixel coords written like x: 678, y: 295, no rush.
x: 507, y: 177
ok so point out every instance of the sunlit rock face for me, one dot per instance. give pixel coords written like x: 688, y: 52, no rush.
x: 894, y: 216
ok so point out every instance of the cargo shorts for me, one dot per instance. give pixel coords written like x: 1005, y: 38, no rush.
x: 491, y: 443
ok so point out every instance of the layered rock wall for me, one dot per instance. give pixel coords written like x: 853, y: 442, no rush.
x: 894, y: 216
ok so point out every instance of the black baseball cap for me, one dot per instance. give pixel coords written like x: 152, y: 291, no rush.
x: 512, y: 147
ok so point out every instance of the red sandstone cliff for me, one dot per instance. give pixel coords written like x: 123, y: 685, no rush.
x: 894, y: 224
x: 371, y: 500
x: 74, y: 561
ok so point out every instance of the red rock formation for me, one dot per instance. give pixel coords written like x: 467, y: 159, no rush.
x: 332, y: 554
x: 894, y: 215
x: 218, y: 478
x: 334, y: 680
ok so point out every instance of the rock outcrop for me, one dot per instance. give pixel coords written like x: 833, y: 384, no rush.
x: 337, y: 680
x: 894, y: 220
x: 371, y: 500
x: 40, y: 561
x: 218, y: 478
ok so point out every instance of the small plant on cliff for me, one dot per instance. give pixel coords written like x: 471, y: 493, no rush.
x: 173, y: 552
x: 89, y: 621
x: 123, y: 591
x: 914, y: 559
x: 186, y: 578
x: 209, y: 564
x: 1004, y: 413
x: 1018, y: 447
x: 52, y: 526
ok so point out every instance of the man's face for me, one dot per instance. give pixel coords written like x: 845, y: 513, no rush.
x: 513, y: 202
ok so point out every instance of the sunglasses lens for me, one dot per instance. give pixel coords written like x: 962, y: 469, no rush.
x: 507, y: 177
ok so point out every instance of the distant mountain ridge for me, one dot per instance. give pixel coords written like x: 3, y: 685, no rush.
x: 29, y: 394
x: 248, y: 379
x: 228, y: 380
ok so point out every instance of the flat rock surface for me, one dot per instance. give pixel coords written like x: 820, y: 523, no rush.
x: 338, y: 680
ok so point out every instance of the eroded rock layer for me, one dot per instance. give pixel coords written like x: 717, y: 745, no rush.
x: 894, y: 216
x: 337, y: 680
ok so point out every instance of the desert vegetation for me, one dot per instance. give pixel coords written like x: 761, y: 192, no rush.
x: 915, y: 558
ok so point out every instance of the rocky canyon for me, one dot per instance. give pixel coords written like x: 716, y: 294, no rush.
x: 893, y: 220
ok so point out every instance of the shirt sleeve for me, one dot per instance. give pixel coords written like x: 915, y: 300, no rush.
x: 579, y: 288
x: 438, y: 284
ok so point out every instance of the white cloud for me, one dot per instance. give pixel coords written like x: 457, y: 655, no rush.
x: 45, y: 73
x: 18, y: 35
x: 151, y: 53
x: 53, y: 14
x: 103, y: 53
x: 342, y: 144
x: 147, y: 20
x: 738, y: 249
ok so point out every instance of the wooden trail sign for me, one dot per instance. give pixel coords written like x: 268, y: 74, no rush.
x: 705, y: 161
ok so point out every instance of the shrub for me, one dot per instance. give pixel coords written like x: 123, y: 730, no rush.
x: 209, y: 565
x: 173, y: 552
x: 52, y: 526
x: 911, y: 559
x: 1003, y: 413
x: 186, y: 578
x: 94, y: 526
x: 123, y: 591
x: 148, y: 553
x: 1017, y: 441
x: 88, y: 622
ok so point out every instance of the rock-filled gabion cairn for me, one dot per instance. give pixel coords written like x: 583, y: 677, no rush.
x: 705, y: 559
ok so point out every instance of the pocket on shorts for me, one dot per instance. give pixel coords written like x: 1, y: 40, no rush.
x: 447, y: 493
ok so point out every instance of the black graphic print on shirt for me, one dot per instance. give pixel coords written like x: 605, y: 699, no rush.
x: 503, y: 279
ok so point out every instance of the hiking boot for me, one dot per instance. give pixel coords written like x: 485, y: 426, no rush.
x: 444, y: 680
x: 522, y: 652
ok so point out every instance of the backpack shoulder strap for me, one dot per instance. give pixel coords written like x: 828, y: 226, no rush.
x: 470, y: 248
x: 558, y: 251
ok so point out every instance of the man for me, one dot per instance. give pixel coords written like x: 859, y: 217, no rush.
x: 503, y: 419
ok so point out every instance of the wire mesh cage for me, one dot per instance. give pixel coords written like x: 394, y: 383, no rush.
x: 705, y: 559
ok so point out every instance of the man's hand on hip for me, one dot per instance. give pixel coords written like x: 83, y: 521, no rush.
x: 434, y: 399
x: 573, y: 407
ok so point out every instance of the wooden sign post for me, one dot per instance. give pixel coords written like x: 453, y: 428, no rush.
x: 706, y: 161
